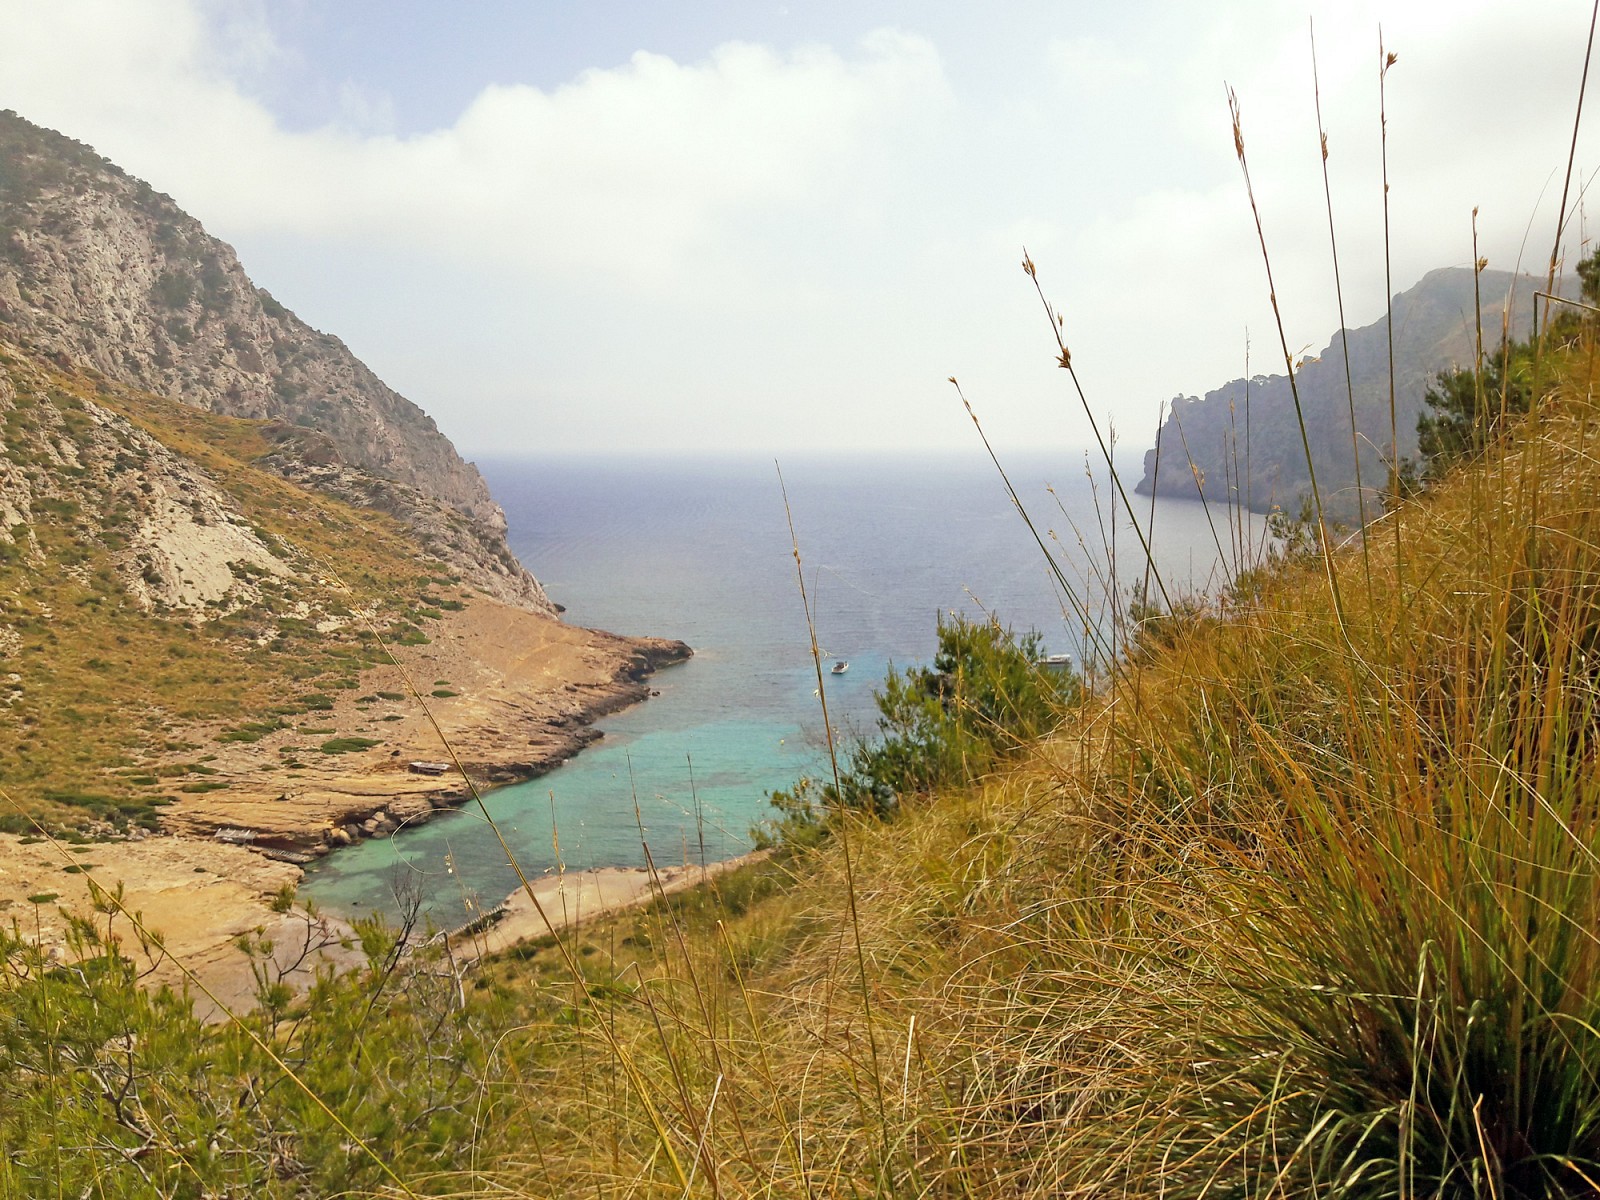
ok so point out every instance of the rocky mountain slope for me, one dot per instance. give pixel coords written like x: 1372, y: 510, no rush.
x: 101, y: 273
x: 186, y: 636
x: 1241, y: 442
x: 231, y: 559
x: 249, y: 596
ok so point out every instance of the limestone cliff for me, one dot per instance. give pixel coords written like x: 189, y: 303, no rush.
x: 1241, y: 444
x: 101, y: 273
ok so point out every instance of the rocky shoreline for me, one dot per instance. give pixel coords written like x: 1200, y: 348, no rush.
x: 452, y: 790
x: 531, y: 688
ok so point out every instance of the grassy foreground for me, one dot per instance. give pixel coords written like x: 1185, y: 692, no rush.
x: 1303, y: 900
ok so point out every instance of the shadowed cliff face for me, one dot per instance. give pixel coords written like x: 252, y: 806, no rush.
x: 100, y: 272
x: 1241, y: 443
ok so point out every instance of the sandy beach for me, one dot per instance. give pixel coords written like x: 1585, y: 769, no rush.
x: 201, y: 897
x: 569, y: 899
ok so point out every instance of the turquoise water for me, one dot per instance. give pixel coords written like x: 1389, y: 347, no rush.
x: 700, y: 550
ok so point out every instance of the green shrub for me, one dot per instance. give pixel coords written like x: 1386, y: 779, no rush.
x: 172, y: 290
x: 79, y: 799
x: 985, y: 695
x: 1467, y: 412
x: 111, y: 1090
x: 345, y: 745
x: 250, y: 731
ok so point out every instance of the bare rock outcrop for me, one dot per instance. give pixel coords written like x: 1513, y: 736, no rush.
x: 177, y: 541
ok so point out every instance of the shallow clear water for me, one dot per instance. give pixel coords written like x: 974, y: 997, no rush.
x: 700, y: 550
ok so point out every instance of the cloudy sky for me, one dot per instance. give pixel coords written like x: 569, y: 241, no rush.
x: 643, y: 224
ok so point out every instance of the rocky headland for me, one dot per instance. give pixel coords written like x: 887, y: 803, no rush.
x: 499, y: 692
x: 253, y: 604
x: 1240, y: 444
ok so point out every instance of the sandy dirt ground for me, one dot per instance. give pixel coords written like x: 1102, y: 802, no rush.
x: 200, y: 897
x: 527, y: 688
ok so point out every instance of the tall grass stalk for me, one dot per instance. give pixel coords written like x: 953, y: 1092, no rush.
x: 1572, y: 154
x: 1064, y: 361
x: 1080, y: 609
x: 1387, y: 60
x: 1324, y: 542
x: 1344, y: 327
x: 1155, y: 489
x: 864, y: 981
x: 1200, y: 493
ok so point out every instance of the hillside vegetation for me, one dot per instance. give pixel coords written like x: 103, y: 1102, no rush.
x: 154, y: 577
x: 1301, y: 900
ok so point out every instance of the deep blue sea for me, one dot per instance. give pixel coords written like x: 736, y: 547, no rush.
x: 700, y: 549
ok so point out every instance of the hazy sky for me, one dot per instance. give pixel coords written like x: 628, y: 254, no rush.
x: 775, y: 227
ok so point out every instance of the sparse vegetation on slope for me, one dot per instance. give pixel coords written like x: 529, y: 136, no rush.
x: 154, y: 581
x: 1297, y: 904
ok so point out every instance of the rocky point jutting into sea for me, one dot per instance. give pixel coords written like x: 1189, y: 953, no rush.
x: 235, y: 567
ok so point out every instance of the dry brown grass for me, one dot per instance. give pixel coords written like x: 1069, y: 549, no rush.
x: 1293, y: 908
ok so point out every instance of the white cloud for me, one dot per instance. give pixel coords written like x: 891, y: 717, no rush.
x: 636, y: 170
x: 1091, y: 65
x: 763, y: 246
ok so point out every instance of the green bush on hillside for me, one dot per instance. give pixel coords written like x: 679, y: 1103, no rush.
x: 113, y: 1090
x: 985, y: 695
x: 1469, y: 409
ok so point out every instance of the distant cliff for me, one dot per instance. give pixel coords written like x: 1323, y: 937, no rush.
x: 101, y: 273
x: 1243, y: 440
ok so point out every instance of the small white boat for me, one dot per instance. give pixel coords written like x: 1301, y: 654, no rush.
x: 840, y: 667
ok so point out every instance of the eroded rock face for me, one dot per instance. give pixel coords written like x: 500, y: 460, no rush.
x: 188, y: 547
x: 99, y: 271
x: 178, y: 542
